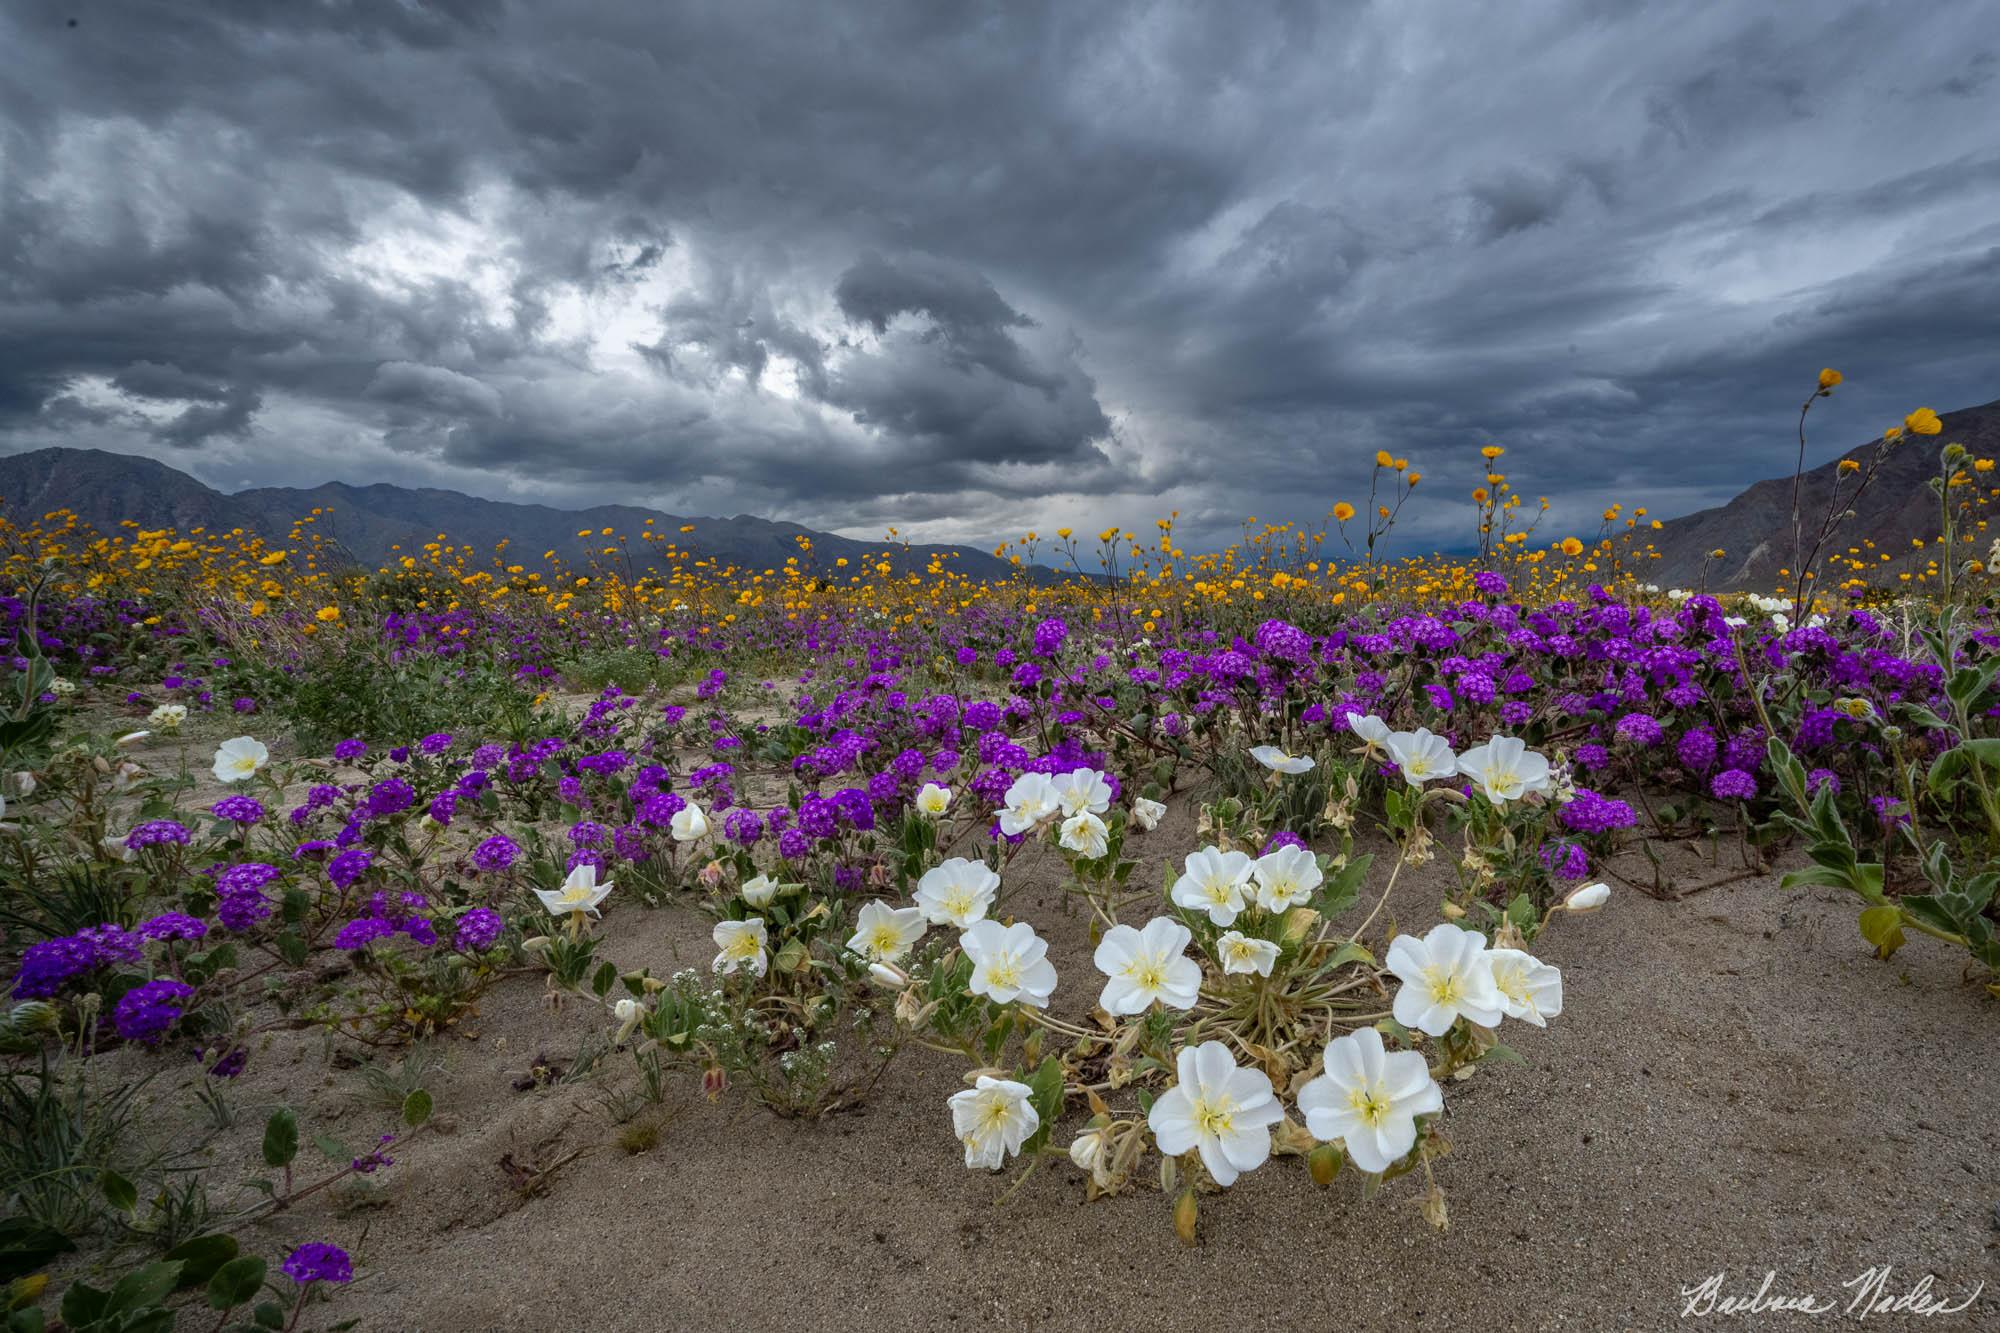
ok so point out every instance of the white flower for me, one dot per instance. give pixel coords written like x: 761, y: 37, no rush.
x: 579, y: 893
x: 1370, y: 1099
x: 742, y: 945
x: 689, y: 823
x: 1223, y: 1111
x: 1082, y: 789
x: 1371, y: 730
x: 626, y: 1010
x: 130, y: 739
x: 168, y: 717
x: 1213, y: 882
x: 1271, y: 757
x: 882, y: 933
x: 1530, y: 989
x: 1009, y: 963
x: 1421, y: 756
x: 993, y: 1119
x: 1030, y: 800
x: 1285, y: 878
x: 238, y: 759
x: 957, y: 893
x: 1444, y: 974
x: 1505, y: 769
x: 1087, y: 1150
x: 933, y: 800
x: 1242, y: 953
x: 759, y: 892
x: 1147, y: 814
x: 1146, y: 966
x: 24, y: 784
x: 1084, y: 834
x: 889, y: 978
x: 62, y: 685
x: 1587, y: 899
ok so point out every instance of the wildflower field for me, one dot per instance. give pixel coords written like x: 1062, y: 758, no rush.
x: 606, y: 938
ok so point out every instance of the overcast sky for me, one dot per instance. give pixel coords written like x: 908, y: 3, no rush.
x: 973, y: 269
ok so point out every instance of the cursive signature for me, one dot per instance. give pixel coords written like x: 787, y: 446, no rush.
x: 1868, y: 1293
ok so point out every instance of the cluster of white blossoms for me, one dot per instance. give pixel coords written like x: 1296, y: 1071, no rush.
x: 1504, y: 768
x: 1222, y: 885
x: 1078, y: 798
x: 1366, y: 1098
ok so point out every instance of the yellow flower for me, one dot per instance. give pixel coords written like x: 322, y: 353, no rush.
x: 1923, y: 421
x: 1849, y: 465
x: 1343, y: 511
x: 1383, y: 458
x: 1893, y: 434
x: 1828, y: 378
x: 1572, y: 547
x: 327, y: 614
x: 1491, y: 452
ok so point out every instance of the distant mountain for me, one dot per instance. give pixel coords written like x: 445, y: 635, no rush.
x: 1755, y: 529
x: 104, y: 489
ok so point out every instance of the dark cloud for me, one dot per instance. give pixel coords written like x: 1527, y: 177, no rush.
x: 972, y: 269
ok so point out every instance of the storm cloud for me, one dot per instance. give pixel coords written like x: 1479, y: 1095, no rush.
x: 972, y: 269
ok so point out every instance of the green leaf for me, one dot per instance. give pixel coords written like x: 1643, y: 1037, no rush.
x: 1502, y: 1055
x: 333, y: 1149
x: 119, y: 1192
x: 416, y: 1108
x: 281, y: 1137
x: 268, y: 1314
x: 148, y: 1286
x: 200, y: 1257
x: 237, y: 1281
x: 605, y: 978
x: 84, y: 1304
x: 26, y: 1247
x: 1882, y: 926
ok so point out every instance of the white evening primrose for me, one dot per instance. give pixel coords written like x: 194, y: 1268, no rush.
x: 239, y: 758
x: 1285, y: 877
x: 1530, y: 989
x: 1370, y: 1099
x: 882, y: 933
x: 1505, y: 769
x: 1445, y: 974
x: 1213, y: 881
x: 1147, y: 966
x: 1275, y: 759
x: 689, y: 823
x: 1371, y: 731
x: 1587, y: 899
x: 579, y: 893
x: 1147, y: 814
x: 1082, y: 789
x: 933, y: 800
x: 130, y: 739
x: 742, y: 946
x: 1421, y: 756
x: 1224, y: 1112
x: 1084, y: 833
x: 760, y: 891
x: 1029, y: 801
x: 1245, y: 954
x: 1009, y: 963
x: 957, y: 893
x: 168, y: 717
x: 993, y: 1119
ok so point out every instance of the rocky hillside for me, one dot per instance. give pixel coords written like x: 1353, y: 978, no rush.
x: 1754, y: 530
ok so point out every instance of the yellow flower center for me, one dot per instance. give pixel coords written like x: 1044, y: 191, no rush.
x: 1214, y: 1119
x: 1004, y: 974
x: 1446, y: 987
x: 1370, y: 1104
x: 1147, y: 973
x: 742, y: 946
x: 883, y: 941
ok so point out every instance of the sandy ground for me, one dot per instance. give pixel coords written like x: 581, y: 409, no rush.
x: 1735, y: 1086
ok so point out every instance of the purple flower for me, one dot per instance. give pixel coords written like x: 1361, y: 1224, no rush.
x: 1822, y: 777
x: 238, y: 809
x: 436, y: 743
x: 173, y: 926
x: 1049, y: 636
x: 478, y: 930
x: 1283, y: 838
x: 388, y: 797
x: 1490, y: 583
x: 1640, y: 729
x: 145, y: 1012
x: 1733, y: 784
x: 496, y: 853
x: 349, y: 866
x: 1696, y: 750
x: 349, y: 750
x: 155, y: 833
x: 48, y: 965
x: 1591, y: 812
x: 316, y: 1262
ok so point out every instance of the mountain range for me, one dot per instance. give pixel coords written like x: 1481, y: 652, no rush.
x: 1754, y: 530
x: 368, y: 522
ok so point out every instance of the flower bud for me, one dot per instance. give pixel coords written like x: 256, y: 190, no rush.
x: 887, y: 977
x: 1324, y: 1163
x: 1186, y: 1210
x: 710, y: 875
x: 1588, y: 898
x: 713, y: 1080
